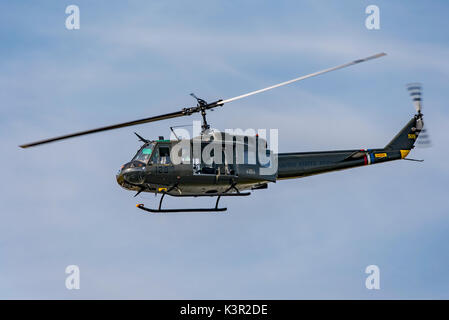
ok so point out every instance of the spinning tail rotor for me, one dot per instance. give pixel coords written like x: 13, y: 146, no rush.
x: 415, y: 90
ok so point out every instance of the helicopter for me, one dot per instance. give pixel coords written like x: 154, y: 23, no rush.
x: 218, y: 164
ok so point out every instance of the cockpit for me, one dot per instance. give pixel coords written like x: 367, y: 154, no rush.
x: 144, y: 154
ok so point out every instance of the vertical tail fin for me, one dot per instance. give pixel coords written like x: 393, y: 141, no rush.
x: 406, y: 138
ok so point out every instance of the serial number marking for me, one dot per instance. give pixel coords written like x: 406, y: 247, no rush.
x: 380, y: 155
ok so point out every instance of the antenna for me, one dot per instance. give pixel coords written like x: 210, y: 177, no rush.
x: 177, y: 138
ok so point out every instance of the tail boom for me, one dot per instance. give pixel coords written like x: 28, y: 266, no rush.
x: 303, y: 164
x: 299, y: 165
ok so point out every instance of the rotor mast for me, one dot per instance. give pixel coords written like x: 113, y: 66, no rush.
x: 202, y: 104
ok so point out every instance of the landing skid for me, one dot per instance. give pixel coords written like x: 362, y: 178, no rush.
x: 215, y: 209
x: 141, y: 206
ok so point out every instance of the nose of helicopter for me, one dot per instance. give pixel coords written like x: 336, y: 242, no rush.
x: 131, y: 174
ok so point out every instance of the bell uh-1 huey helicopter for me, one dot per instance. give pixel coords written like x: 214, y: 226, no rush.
x: 154, y: 169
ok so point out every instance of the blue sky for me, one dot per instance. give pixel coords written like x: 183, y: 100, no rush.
x: 308, y: 238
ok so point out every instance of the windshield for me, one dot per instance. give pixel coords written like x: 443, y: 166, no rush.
x: 145, y: 153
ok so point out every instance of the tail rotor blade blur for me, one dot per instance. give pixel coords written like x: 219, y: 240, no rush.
x: 423, y: 140
x: 415, y: 90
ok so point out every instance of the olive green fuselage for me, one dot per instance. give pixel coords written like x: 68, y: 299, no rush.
x: 158, y: 178
x: 152, y: 169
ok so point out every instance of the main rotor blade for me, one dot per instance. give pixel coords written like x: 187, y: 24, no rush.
x: 115, y: 126
x: 198, y: 108
x: 304, y: 77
